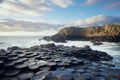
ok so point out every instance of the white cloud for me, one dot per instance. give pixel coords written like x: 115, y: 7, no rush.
x: 17, y: 8
x: 30, y: 7
x: 62, y: 3
x: 96, y: 20
x: 5, y: 12
x: 19, y: 25
x: 108, y: 4
x: 39, y: 4
x: 91, y: 2
x: 114, y: 5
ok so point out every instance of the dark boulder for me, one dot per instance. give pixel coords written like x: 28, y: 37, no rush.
x: 47, y: 38
x: 2, y: 51
x: 49, y: 45
x: 55, y: 38
x: 13, y: 48
x: 86, y: 47
x: 97, y: 43
x: 58, y: 38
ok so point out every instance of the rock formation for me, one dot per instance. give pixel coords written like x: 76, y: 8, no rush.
x: 108, y: 32
x: 56, y: 62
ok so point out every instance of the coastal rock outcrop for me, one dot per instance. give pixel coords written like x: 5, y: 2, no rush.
x: 55, y: 38
x: 109, y: 32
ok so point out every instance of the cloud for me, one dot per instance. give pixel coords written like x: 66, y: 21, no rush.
x: 17, y: 8
x: 91, y: 2
x: 97, y: 20
x: 62, y: 3
x: 108, y: 4
x: 1, y: 1
x: 18, y: 25
x: 39, y: 4
x: 30, y: 7
x: 113, y: 5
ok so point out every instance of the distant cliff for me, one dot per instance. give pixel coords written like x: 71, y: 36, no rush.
x: 109, y: 32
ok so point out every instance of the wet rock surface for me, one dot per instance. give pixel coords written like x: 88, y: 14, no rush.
x: 56, y: 62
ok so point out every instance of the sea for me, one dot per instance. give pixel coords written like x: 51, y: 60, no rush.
x: 28, y: 41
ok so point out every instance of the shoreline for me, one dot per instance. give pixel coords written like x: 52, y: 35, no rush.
x: 57, y: 60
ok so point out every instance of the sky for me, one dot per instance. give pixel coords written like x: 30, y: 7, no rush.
x: 34, y: 15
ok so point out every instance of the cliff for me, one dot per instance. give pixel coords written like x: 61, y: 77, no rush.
x: 109, y: 32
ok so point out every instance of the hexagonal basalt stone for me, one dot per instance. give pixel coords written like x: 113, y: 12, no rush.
x: 29, y: 56
x: 51, y: 77
x: 13, y: 58
x: 65, y: 77
x: 45, y: 68
x: 88, y: 76
x: 81, y: 70
x: 10, y: 63
x: 100, y: 78
x: 35, y: 68
x: 51, y: 63
x: 9, y: 78
x: 25, y: 75
x: 12, y: 55
x: 78, y: 76
x: 21, y: 55
x: 20, y: 60
x: 2, y: 71
x: 41, y: 75
x: 30, y: 63
x: 57, y: 60
x: 1, y: 62
x: 21, y: 65
x: 42, y: 63
x: 12, y: 72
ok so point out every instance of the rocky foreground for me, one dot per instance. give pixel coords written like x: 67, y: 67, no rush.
x: 109, y: 32
x: 56, y: 62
